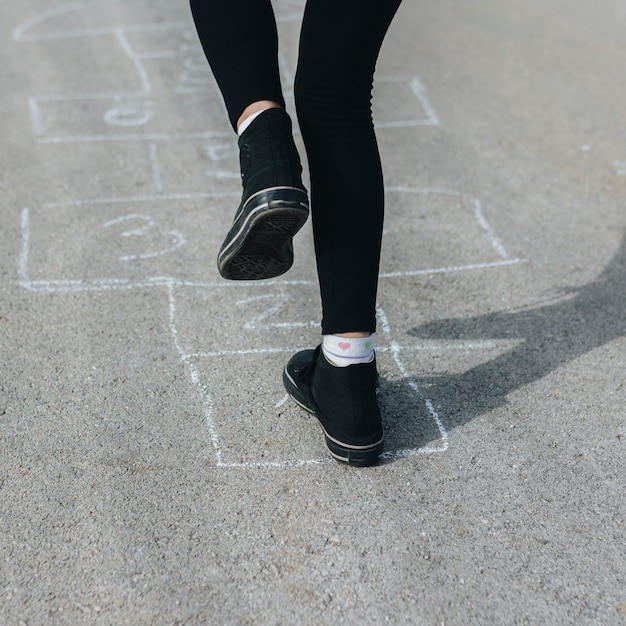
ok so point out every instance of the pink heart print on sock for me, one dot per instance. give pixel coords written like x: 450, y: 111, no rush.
x: 344, y: 346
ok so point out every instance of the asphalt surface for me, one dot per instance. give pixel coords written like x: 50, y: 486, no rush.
x: 152, y: 469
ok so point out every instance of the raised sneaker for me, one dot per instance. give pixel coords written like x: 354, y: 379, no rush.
x: 274, y: 205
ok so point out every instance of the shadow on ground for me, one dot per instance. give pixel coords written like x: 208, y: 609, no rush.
x: 548, y: 337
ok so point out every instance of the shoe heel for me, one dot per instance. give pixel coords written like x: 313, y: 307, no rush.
x: 358, y: 457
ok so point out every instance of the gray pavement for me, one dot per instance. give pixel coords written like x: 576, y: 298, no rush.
x: 152, y: 469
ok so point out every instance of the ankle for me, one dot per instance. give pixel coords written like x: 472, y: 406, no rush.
x: 267, y: 153
x: 252, y: 110
x: 346, y: 349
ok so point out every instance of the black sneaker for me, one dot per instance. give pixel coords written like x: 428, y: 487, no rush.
x: 274, y: 205
x: 343, y: 399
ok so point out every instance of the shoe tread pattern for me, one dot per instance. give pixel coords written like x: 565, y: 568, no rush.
x: 263, y: 247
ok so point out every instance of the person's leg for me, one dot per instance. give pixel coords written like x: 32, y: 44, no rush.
x: 339, y: 47
x: 240, y: 41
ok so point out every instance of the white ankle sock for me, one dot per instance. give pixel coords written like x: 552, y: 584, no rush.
x: 248, y: 121
x: 344, y: 351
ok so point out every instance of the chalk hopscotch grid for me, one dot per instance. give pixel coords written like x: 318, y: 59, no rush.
x: 132, y: 109
x: 189, y: 358
x: 172, y: 284
x: 128, y: 112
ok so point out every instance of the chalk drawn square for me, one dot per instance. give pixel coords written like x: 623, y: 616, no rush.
x: 98, y: 172
x: 435, y: 229
x: 117, y: 241
x: 252, y: 421
x: 131, y: 239
x: 124, y: 117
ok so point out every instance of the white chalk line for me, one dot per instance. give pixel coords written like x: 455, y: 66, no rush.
x: 459, y: 346
x: 85, y: 286
x: 116, y: 96
x: 170, y: 197
x: 23, y: 260
x: 113, y: 284
x: 242, y: 352
x: 426, y: 190
x: 208, y: 88
x: 135, y: 60
x: 282, y: 401
x: 395, y: 351
x: 155, y: 167
x: 36, y: 119
x: 274, y: 464
x: 419, y: 92
x: 205, y: 395
x: 484, y: 224
x: 114, y: 138
x: 452, y: 269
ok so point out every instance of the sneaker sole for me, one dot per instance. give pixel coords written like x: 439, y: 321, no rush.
x: 358, y: 456
x: 259, y: 244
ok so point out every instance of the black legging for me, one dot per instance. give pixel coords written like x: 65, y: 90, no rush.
x: 339, y: 44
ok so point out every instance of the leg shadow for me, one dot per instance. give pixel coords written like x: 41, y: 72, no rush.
x: 549, y: 337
